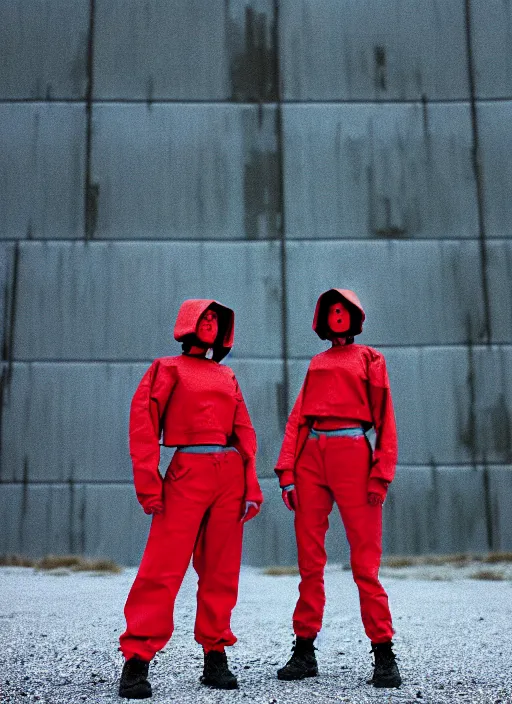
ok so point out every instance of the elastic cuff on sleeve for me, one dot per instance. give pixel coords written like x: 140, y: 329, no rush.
x: 148, y: 500
x: 378, y: 486
x: 285, y: 477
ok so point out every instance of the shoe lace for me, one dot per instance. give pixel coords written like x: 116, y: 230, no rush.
x: 139, y: 667
x: 299, y: 648
x: 382, y: 655
x: 218, y: 661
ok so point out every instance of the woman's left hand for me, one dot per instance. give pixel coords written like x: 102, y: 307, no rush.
x: 375, y: 499
x: 251, y: 509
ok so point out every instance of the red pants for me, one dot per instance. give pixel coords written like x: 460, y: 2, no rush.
x: 203, y: 496
x: 328, y: 470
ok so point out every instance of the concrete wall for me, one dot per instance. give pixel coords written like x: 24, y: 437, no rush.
x: 255, y: 152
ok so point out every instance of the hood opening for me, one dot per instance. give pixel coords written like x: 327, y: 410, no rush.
x: 188, y: 317
x: 351, y: 301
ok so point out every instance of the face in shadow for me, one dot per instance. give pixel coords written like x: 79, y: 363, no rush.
x: 208, y: 327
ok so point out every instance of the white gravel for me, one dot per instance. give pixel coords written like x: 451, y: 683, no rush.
x: 58, y: 637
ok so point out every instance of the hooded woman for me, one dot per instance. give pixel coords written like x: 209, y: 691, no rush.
x: 326, y: 458
x: 209, y: 491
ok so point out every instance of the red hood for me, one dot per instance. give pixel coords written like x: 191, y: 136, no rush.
x: 188, y: 317
x: 350, y: 298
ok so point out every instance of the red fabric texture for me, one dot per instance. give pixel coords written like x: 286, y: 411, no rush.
x: 203, y: 497
x: 189, y: 401
x: 336, y: 470
x: 345, y: 381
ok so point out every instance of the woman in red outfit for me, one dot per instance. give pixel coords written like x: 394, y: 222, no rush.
x: 209, y: 491
x: 326, y: 458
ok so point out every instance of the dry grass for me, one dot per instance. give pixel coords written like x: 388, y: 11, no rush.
x: 399, y: 561
x: 76, y: 563
x: 16, y: 561
x: 281, y: 570
x: 53, y: 562
x: 494, y: 557
x: 488, y: 575
x: 457, y: 559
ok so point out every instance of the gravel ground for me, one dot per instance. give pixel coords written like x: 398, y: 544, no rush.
x: 454, y: 640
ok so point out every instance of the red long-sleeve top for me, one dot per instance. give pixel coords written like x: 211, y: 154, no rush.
x: 188, y: 400
x: 344, y: 382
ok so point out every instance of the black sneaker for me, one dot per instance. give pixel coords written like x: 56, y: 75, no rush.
x: 302, y: 663
x: 216, y: 672
x: 385, y: 672
x: 134, y: 679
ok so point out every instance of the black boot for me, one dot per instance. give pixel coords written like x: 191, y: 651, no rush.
x: 302, y: 663
x: 385, y: 672
x: 134, y: 680
x: 216, y: 672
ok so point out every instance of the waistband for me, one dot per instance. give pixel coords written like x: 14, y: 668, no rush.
x: 205, y: 449
x: 340, y: 432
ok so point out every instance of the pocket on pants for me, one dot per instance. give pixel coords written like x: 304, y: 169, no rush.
x: 180, y: 466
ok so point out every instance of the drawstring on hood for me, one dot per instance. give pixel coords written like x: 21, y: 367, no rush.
x: 187, y: 320
x: 351, y: 301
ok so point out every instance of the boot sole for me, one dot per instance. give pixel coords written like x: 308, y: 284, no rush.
x: 211, y: 685
x: 387, y: 685
x: 136, y: 693
x: 287, y: 678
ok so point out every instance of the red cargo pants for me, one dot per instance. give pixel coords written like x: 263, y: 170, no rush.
x: 202, y: 496
x: 336, y: 469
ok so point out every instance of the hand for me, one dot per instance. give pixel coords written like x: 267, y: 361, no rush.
x: 289, y: 495
x: 251, y: 509
x: 154, y: 507
x: 375, y: 499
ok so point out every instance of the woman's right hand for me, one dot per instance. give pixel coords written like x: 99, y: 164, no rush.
x: 154, y: 507
x: 289, y: 497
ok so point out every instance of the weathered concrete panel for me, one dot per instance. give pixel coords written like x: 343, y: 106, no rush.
x: 44, y: 49
x: 93, y: 520
x: 490, y: 385
x: 261, y: 384
x: 494, y: 121
x: 185, y: 171
x: 355, y: 50
x: 435, y: 510
x: 500, y: 499
x: 165, y: 49
x: 42, y: 170
x: 491, y: 28
x: 452, y: 404
x: 499, y: 279
x: 120, y: 300
x: 114, y: 523
x: 69, y: 421
x: 413, y: 293
x: 389, y: 171
x: 42, y: 519
x: 7, y: 297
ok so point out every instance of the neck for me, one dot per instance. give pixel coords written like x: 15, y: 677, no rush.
x: 338, y: 341
x: 196, y: 351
